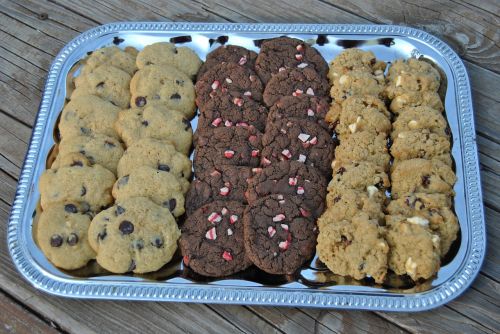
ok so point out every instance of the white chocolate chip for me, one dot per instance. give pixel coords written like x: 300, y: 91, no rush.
x: 343, y: 79
x: 372, y: 190
x: 436, y: 240
x: 334, y: 162
x: 411, y: 267
x: 401, y: 135
x: 352, y: 127
x: 412, y: 124
x: 418, y: 220
x: 398, y: 81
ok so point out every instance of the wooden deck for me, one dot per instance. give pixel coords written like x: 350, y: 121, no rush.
x: 32, y: 32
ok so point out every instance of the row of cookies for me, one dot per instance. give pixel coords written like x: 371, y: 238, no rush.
x: 287, y: 193
x: 420, y: 212
x: 101, y: 112
x: 350, y: 240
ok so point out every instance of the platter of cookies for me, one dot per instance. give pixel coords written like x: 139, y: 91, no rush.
x: 311, y: 165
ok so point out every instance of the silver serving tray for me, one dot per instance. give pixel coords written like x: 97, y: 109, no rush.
x: 388, y: 43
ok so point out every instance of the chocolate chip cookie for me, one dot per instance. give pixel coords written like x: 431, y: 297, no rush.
x: 228, y: 54
x: 411, y: 75
x: 421, y: 118
x: 110, y: 56
x: 354, y: 59
x: 416, y: 99
x: 364, y: 146
x: 356, y: 83
x: 280, y: 234
x: 421, y: 143
x: 212, y: 239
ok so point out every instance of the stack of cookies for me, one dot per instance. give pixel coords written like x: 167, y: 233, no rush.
x: 287, y: 194
x: 350, y: 238
x: 421, y: 225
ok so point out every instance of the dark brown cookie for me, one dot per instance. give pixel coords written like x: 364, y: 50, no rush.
x: 224, y: 110
x: 298, y: 139
x: 295, y: 82
x: 284, y: 53
x: 212, y: 240
x: 235, y: 145
x: 228, y: 54
x: 280, y: 234
x: 228, y: 78
x: 307, y: 107
x: 226, y: 183
x: 290, y: 178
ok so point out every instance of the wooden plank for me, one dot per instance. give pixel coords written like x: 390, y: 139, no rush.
x: 16, y: 319
x: 491, y: 266
x: 243, y: 318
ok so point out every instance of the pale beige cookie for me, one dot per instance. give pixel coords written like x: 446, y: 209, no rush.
x: 354, y: 248
x: 420, y: 175
x: 421, y: 144
x: 361, y: 176
x: 411, y: 99
x: 61, y: 234
x: 354, y: 59
x: 433, y: 210
x: 346, y: 205
x: 96, y: 148
x: 414, y: 249
x: 70, y: 160
x: 134, y: 235
x: 88, y: 114
x: 159, y: 154
x: 108, y: 82
x: 155, y: 121
x: 363, y: 146
x: 356, y: 83
x: 164, y: 84
x: 84, y: 185
x: 420, y: 118
x: 161, y: 187
x: 411, y: 75
x: 110, y: 56
x: 163, y: 53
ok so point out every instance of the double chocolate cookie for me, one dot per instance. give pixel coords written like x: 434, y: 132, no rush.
x: 228, y: 54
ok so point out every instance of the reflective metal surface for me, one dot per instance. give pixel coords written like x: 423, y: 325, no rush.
x: 313, y: 286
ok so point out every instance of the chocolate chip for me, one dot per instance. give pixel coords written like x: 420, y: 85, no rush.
x: 175, y: 96
x: 72, y: 239
x: 407, y: 201
x: 83, y: 191
x: 157, y: 242
x: 56, y: 240
x: 361, y: 266
x: 187, y: 124
x: 85, y: 131
x: 126, y: 227
x: 107, y: 143
x: 426, y: 181
x: 336, y: 199
x: 91, y: 159
x: 322, y: 40
x: 102, y: 235
x: 123, y: 181
x: 76, y: 163
x: 176, y: 51
x: 181, y: 39
x: 71, y: 208
x: 100, y: 85
x: 119, y: 210
x: 447, y: 130
x: 89, y: 53
x: 132, y: 266
x: 145, y: 123
x: 341, y: 171
x: 345, y: 241
x: 85, y: 206
x: 117, y: 40
x: 139, y: 244
x: 170, y: 204
x: 164, y: 168
x: 140, y: 101
x: 179, y: 82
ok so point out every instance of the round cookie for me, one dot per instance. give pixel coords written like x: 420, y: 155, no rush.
x: 108, y: 82
x: 364, y: 146
x: 354, y: 248
x: 411, y: 75
x: 61, y: 234
x: 155, y: 121
x: 282, y: 53
x: 307, y: 107
x: 354, y: 59
x: 110, y: 56
x: 421, y: 144
x: 349, y: 203
x: 97, y: 149
x: 83, y: 185
x: 235, y: 145
x: 361, y: 176
x: 420, y: 175
x: 230, y: 79
x: 134, y: 235
x: 295, y: 82
x: 298, y: 139
x: 416, y: 99
x: 226, y: 183
x: 212, y: 239
x: 421, y: 118
x: 88, y: 114
x: 414, y: 249
x: 159, y: 154
x: 163, y: 53
x: 356, y: 83
x: 224, y: 110
x: 228, y: 54
x: 290, y: 178
x: 161, y: 187
x: 433, y: 210
x: 163, y: 84
x: 280, y: 234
